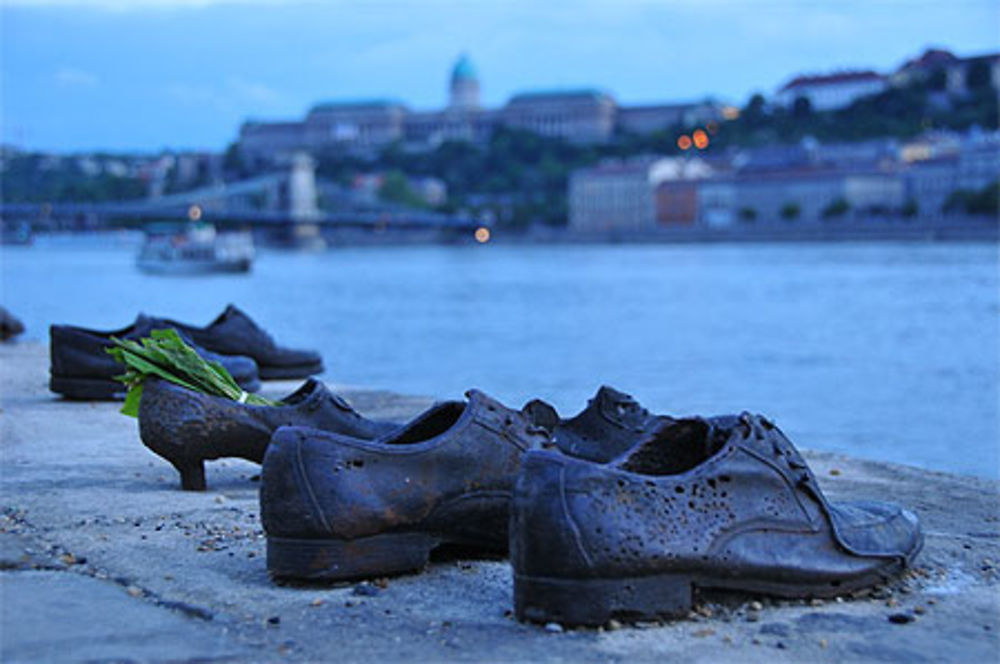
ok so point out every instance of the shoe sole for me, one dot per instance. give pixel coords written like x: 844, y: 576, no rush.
x: 345, y: 560
x: 88, y: 389
x: 290, y: 371
x: 594, y: 602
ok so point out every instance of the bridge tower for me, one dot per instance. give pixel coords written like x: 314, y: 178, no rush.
x: 303, y: 207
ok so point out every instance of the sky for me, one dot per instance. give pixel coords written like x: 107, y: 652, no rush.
x: 147, y: 75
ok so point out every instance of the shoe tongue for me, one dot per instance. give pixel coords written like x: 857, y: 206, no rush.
x: 607, y: 395
x: 616, y: 405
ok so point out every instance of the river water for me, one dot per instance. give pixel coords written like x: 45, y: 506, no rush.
x: 884, y: 351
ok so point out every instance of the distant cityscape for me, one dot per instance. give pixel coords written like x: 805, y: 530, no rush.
x: 919, y: 142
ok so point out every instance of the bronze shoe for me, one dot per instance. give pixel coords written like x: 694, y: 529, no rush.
x: 336, y: 507
x: 727, y: 504
x: 187, y: 428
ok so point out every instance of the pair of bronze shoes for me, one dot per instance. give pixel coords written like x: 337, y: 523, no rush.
x: 615, y: 512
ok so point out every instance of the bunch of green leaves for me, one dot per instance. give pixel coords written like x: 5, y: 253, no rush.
x: 164, y: 355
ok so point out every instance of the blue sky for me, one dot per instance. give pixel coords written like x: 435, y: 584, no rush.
x: 141, y: 75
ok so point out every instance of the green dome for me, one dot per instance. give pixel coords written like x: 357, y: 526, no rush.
x: 464, y: 70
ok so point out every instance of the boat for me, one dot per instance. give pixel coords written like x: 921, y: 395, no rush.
x: 195, y: 249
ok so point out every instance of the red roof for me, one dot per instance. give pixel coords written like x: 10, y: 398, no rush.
x: 932, y: 57
x: 833, y: 79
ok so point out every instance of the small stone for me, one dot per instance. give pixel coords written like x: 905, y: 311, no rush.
x: 381, y: 583
x: 554, y: 628
x: 901, y: 618
x: 756, y: 606
x: 614, y: 625
x: 892, y: 602
x: 701, y: 633
x: 134, y: 591
x: 704, y: 611
x: 931, y: 600
x: 220, y: 499
x: 823, y: 643
x: 919, y: 610
x: 274, y: 620
x: 816, y: 602
x: 780, y: 645
x: 365, y: 589
x: 756, y: 642
x: 68, y: 559
x: 317, y: 602
x: 753, y: 616
x: 834, y: 472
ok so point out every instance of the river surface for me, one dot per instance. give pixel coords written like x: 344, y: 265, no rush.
x: 882, y: 351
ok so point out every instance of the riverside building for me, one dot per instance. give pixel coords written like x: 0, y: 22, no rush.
x: 365, y: 126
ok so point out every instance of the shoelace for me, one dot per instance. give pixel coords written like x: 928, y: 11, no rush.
x: 763, y: 429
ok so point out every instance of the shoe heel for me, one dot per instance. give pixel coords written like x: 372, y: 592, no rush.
x: 342, y: 560
x: 596, y: 601
x: 192, y: 475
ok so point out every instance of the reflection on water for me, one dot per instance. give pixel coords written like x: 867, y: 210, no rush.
x: 881, y: 351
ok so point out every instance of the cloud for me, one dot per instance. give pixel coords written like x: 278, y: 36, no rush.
x: 233, y: 94
x: 71, y: 77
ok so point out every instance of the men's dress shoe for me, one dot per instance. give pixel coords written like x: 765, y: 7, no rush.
x: 233, y: 332
x: 728, y: 505
x: 81, y: 367
x: 610, y: 425
x: 187, y: 428
x: 336, y: 507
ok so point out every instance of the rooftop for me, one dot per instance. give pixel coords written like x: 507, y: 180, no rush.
x: 833, y: 79
x: 582, y: 94
x: 464, y: 70
x: 357, y: 105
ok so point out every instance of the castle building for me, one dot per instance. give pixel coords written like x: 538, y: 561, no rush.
x: 363, y: 127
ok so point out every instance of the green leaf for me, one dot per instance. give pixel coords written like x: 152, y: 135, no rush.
x: 131, y: 405
x: 164, y: 354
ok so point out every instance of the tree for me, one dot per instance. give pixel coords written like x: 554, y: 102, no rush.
x: 910, y: 209
x: 802, y: 107
x: 753, y: 113
x: 790, y: 211
x: 836, y: 208
x: 977, y: 74
x: 748, y: 214
x: 396, y: 189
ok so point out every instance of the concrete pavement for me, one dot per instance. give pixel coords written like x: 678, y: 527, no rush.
x: 103, y: 558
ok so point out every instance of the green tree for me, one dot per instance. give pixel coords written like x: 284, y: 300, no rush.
x: 396, y: 189
x: 836, y: 208
x: 790, y: 211
x: 977, y: 74
x: 802, y: 108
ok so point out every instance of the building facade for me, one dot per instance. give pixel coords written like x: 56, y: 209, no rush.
x: 579, y: 116
x: 832, y: 91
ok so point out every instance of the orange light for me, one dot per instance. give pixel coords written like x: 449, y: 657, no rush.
x: 684, y: 142
x: 194, y: 212
x: 482, y: 235
x: 730, y: 112
x: 700, y: 139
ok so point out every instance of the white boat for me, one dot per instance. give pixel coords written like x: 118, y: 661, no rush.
x: 196, y: 249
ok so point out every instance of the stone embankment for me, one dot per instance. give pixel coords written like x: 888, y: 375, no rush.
x: 103, y: 558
